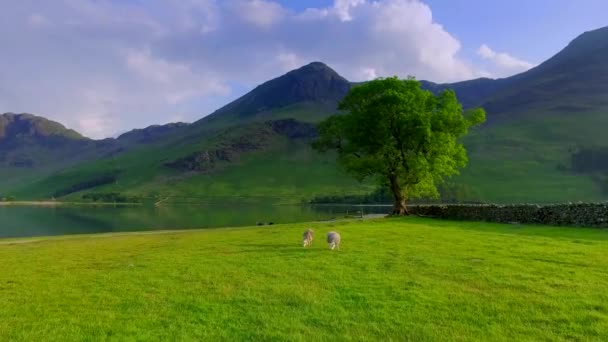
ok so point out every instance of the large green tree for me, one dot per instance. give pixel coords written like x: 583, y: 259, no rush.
x: 406, y: 136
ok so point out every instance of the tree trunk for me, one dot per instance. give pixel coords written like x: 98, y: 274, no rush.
x: 399, y: 207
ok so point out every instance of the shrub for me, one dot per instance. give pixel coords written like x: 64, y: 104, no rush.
x: 110, y: 197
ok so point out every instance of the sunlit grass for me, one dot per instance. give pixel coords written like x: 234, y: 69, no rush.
x: 400, y: 279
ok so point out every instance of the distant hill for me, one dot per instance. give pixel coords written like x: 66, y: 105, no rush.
x: 27, y: 141
x: 315, y: 84
x: 19, y: 126
x: 151, y: 134
x: 574, y: 80
x: 539, y: 123
x: 470, y: 93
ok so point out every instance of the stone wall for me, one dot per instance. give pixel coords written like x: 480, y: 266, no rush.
x: 582, y: 215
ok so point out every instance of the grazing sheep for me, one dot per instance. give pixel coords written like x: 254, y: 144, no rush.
x: 307, y: 238
x: 333, y: 239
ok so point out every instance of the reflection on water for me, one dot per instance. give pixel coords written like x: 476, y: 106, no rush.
x: 22, y: 221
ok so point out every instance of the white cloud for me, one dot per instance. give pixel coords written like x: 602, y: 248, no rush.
x: 368, y: 74
x: 261, y: 13
x: 177, y: 82
x: 505, y: 64
x: 94, y: 125
x: 108, y: 66
x: 343, y: 8
x: 288, y: 61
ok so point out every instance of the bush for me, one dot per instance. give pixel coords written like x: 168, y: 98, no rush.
x: 110, y: 197
x: 449, y: 193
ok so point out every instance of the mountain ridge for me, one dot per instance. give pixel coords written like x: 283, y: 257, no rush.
x: 314, y: 82
x: 536, y: 119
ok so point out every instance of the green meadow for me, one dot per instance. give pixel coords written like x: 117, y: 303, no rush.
x: 393, y: 279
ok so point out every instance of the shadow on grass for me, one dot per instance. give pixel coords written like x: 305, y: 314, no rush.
x: 277, y: 249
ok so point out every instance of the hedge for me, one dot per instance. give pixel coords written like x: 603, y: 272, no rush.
x: 581, y: 215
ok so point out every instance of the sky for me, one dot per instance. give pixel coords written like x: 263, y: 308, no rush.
x: 103, y: 67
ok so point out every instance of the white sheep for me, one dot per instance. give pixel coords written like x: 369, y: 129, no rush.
x: 333, y: 239
x: 307, y: 238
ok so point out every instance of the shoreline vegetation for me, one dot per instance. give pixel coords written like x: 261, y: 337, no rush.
x: 448, y: 193
x: 432, y: 280
x: 63, y: 203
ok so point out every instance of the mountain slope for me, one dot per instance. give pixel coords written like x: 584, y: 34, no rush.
x: 151, y: 134
x: 470, y: 93
x: 270, y: 160
x: 28, y: 141
x: 538, y: 121
x: 574, y: 80
x: 313, y: 87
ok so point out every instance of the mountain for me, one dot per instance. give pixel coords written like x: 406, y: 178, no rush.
x: 30, y: 141
x: 151, y: 134
x: 313, y: 84
x: 574, y: 80
x: 470, y: 93
x: 197, y: 160
x: 32, y: 147
x: 16, y: 126
x: 27, y: 141
x: 537, y: 123
x: 542, y: 124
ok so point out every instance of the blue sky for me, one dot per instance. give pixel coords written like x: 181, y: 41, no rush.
x: 107, y: 66
x: 530, y: 29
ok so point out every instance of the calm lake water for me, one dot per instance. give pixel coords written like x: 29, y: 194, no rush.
x: 27, y: 221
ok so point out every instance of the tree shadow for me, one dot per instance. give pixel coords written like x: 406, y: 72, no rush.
x: 279, y: 248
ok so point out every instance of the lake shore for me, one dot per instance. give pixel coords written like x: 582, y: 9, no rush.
x: 60, y: 203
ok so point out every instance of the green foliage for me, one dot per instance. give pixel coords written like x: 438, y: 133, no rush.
x: 407, y: 136
x: 393, y: 279
x: 379, y: 196
x: 448, y: 193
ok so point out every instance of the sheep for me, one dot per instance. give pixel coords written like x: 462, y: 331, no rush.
x: 333, y: 239
x: 309, y: 234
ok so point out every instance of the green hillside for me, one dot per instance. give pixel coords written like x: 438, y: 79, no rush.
x: 261, y: 159
x: 537, y: 122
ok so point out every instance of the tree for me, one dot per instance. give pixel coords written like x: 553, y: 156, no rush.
x: 406, y: 136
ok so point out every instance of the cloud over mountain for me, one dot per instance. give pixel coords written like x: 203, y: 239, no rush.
x: 505, y: 64
x: 103, y: 66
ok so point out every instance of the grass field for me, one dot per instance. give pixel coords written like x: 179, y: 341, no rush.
x: 400, y: 279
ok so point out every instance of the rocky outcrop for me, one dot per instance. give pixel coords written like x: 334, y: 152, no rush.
x: 258, y: 137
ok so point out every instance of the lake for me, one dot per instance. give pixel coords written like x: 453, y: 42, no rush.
x: 28, y: 221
